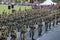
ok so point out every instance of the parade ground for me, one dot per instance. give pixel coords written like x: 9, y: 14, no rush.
x: 33, y: 20
x: 53, y: 34
x: 16, y: 7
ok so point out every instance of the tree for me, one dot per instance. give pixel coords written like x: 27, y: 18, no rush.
x: 56, y: 0
x: 41, y: 1
x: 19, y: 1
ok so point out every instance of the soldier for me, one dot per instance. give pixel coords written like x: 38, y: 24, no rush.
x: 32, y: 31
x: 3, y: 37
x: 57, y: 16
x: 46, y: 26
x: 7, y: 30
x: 53, y: 19
x: 3, y: 34
x: 49, y: 23
x: 40, y: 27
x: 18, y: 27
x: 23, y: 31
x: 13, y: 35
x: 53, y: 22
x: 56, y: 22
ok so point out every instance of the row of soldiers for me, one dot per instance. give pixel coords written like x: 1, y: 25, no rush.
x: 20, y: 20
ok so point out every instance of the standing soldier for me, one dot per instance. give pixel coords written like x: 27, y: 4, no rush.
x: 53, y: 22
x: 56, y: 18
x: 49, y: 23
x: 23, y: 31
x: 13, y: 35
x: 18, y: 27
x: 32, y: 31
x: 56, y: 22
x: 7, y: 30
x: 46, y: 25
x: 3, y: 36
x: 40, y: 27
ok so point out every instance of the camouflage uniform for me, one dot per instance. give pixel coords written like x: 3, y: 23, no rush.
x: 46, y: 26
x: 32, y: 31
x: 50, y: 25
x: 13, y: 35
x: 23, y: 31
x: 40, y: 27
x: 53, y: 22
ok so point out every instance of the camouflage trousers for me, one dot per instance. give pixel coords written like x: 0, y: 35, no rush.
x: 13, y: 38
x: 22, y: 36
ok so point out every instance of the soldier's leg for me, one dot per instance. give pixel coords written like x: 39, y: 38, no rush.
x: 13, y: 38
x: 18, y: 29
x: 56, y: 22
x: 50, y: 25
x: 7, y: 33
x: 32, y: 35
x: 53, y: 23
x: 22, y: 36
x: 46, y: 29
x: 39, y: 32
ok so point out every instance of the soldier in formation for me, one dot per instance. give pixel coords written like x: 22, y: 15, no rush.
x: 46, y: 25
x: 40, y: 27
x: 53, y: 23
x: 13, y: 35
x: 3, y: 37
x: 3, y: 33
x: 49, y: 23
x: 32, y: 31
x: 23, y: 31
